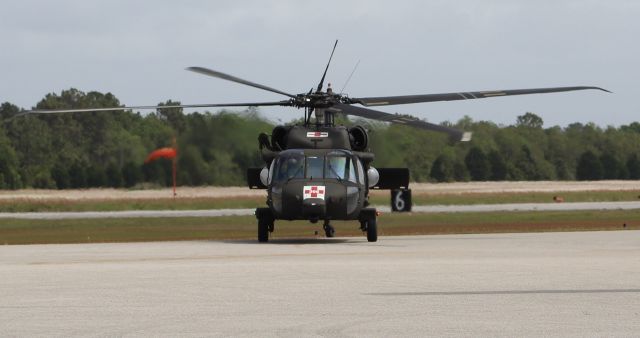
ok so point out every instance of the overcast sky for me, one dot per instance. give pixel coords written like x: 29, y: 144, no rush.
x: 138, y: 51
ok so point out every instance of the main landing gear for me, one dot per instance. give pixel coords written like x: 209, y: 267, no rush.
x: 368, y: 224
x: 265, y: 224
x: 329, y: 231
x: 367, y: 220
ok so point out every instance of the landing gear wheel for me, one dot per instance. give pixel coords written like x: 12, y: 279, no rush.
x: 265, y: 223
x: 372, y: 230
x: 263, y: 230
x: 329, y: 231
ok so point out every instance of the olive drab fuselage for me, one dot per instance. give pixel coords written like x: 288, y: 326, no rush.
x: 316, y: 184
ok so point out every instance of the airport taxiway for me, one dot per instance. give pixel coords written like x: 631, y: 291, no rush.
x: 537, y: 284
x: 575, y: 206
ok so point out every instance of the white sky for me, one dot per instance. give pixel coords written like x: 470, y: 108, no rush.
x: 138, y: 51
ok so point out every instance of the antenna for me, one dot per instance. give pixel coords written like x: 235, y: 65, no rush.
x: 326, y: 69
x: 349, y: 78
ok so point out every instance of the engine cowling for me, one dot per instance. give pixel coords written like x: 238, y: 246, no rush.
x: 358, y: 138
x: 279, y: 137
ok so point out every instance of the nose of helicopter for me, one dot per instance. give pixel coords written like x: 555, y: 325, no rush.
x: 312, y: 200
x: 314, y: 209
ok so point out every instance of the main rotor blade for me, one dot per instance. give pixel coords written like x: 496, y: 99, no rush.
x: 326, y: 69
x: 390, y: 100
x: 214, y: 73
x: 82, y: 110
x: 401, y: 119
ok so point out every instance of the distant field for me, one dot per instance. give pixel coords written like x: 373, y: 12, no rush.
x: 244, y: 227
x: 239, y: 197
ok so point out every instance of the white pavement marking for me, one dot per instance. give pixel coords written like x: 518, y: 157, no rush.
x: 248, y: 212
x: 529, y: 207
x: 540, y: 284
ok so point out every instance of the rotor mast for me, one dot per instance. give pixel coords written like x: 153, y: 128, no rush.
x: 321, y: 101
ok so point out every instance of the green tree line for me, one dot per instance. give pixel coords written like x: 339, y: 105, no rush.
x: 107, y: 149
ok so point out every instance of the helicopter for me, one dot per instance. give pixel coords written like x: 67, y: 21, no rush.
x: 319, y: 171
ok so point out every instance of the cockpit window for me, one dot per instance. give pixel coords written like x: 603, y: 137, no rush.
x: 315, y: 165
x: 341, y: 168
x: 289, y: 167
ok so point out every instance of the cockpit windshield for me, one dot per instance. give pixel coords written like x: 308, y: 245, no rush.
x: 336, y: 165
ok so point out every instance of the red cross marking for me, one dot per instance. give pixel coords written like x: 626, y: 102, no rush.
x: 314, y: 191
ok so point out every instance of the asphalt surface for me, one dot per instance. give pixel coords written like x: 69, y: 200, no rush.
x: 246, y: 212
x: 541, y: 284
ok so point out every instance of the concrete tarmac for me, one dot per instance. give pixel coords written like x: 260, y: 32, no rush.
x: 539, y: 284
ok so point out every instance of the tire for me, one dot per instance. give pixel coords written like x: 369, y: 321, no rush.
x: 372, y: 230
x: 330, y: 232
x: 263, y: 231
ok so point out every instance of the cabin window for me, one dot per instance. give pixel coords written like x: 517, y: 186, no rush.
x: 273, y: 164
x: 360, y: 171
x: 352, y: 171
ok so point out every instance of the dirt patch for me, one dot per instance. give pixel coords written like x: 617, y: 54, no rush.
x: 124, y: 194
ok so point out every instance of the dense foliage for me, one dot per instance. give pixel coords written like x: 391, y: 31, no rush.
x: 107, y: 149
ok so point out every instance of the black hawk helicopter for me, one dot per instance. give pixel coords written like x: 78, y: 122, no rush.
x: 318, y: 170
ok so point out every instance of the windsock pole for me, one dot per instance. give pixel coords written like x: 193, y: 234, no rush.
x: 174, y: 177
x: 174, y: 167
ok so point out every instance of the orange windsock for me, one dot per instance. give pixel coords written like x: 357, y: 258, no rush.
x: 161, y: 153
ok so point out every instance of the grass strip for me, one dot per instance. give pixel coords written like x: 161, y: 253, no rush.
x: 238, y: 202
x: 14, y: 231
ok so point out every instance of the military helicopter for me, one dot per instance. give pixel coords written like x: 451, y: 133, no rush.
x: 322, y: 171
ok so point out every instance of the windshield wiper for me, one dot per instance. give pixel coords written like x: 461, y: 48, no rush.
x: 335, y: 173
x: 294, y: 175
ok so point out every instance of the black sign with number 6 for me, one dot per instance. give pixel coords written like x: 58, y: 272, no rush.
x: 401, y: 200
